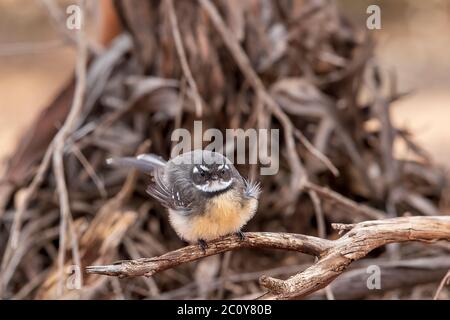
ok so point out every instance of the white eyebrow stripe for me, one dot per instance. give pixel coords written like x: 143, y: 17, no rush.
x: 227, y: 167
x: 221, y: 167
x: 195, y: 170
x: 204, y: 168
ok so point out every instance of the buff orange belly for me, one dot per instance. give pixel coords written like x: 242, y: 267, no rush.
x: 224, y: 215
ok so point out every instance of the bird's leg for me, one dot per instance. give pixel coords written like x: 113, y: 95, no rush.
x: 241, y: 235
x: 203, y: 245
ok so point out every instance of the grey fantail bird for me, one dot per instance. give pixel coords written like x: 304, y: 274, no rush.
x: 206, y: 196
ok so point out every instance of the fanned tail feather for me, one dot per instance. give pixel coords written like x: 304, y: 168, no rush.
x: 144, y: 162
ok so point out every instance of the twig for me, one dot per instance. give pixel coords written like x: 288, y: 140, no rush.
x: 348, y: 204
x: 299, y: 175
x: 316, y: 152
x: 334, y: 256
x: 22, y: 207
x: 59, y: 22
x: 445, y: 281
x: 30, y: 286
x: 90, y: 170
x: 153, y: 289
x: 183, y: 59
x: 395, y: 275
x: 381, y: 109
x: 320, y: 229
x: 58, y: 164
x: 188, y: 291
x: 27, y: 195
x: 29, y: 237
x: 319, y: 214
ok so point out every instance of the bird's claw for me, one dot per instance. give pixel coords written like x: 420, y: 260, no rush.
x: 203, y: 245
x: 241, y: 235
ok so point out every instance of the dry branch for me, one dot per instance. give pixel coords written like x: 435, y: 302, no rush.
x: 58, y: 162
x: 150, y: 266
x: 334, y: 256
x: 339, y: 200
x: 444, y: 281
x: 183, y: 60
x: 252, y: 77
x: 354, y: 245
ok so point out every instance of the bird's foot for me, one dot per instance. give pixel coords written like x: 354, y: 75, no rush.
x: 241, y: 235
x: 203, y: 245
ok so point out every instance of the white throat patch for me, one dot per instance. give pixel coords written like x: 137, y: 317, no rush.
x: 214, y: 186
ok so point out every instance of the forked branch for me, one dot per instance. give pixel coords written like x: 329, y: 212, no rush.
x: 334, y: 255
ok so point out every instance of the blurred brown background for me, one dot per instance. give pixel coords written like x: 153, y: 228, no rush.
x: 414, y: 41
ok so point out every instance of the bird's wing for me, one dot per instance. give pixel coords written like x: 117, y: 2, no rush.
x: 150, y: 163
x: 252, y: 189
x: 169, y: 197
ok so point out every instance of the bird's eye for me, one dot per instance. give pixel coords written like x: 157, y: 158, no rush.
x: 225, y: 174
x: 199, y: 176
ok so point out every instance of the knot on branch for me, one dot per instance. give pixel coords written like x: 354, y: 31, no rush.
x: 275, y: 286
x: 342, y: 227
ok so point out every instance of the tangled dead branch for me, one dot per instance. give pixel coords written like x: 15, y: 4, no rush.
x: 297, y: 66
x: 334, y: 256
